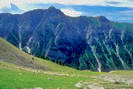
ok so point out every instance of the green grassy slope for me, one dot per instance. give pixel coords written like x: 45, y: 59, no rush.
x: 14, y: 77
x: 11, y: 54
x: 15, y: 73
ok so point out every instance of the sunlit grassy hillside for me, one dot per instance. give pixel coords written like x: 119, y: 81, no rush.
x: 19, y: 70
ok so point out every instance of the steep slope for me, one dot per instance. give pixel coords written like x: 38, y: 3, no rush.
x: 111, y: 48
x: 21, y: 70
x: 11, y: 54
x: 93, y: 43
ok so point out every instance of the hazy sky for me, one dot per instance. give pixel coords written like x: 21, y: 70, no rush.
x: 117, y: 3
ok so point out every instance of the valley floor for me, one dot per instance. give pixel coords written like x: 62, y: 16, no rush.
x: 16, y: 77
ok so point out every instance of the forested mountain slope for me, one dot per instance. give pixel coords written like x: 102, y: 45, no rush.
x: 93, y: 43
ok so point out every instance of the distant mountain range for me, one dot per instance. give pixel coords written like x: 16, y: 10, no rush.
x: 12, y: 8
x: 113, y: 13
x: 94, y: 43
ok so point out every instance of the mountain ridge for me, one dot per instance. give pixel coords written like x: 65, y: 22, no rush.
x: 83, y: 42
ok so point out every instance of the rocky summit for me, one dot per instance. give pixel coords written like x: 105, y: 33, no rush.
x: 93, y: 43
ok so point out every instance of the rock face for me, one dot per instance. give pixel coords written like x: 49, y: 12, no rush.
x: 93, y: 43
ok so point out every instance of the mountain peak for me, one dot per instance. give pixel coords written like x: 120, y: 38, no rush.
x: 102, y: 18
x: 14, y: 7
x: 52, y: 8
x: 55, y: 10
